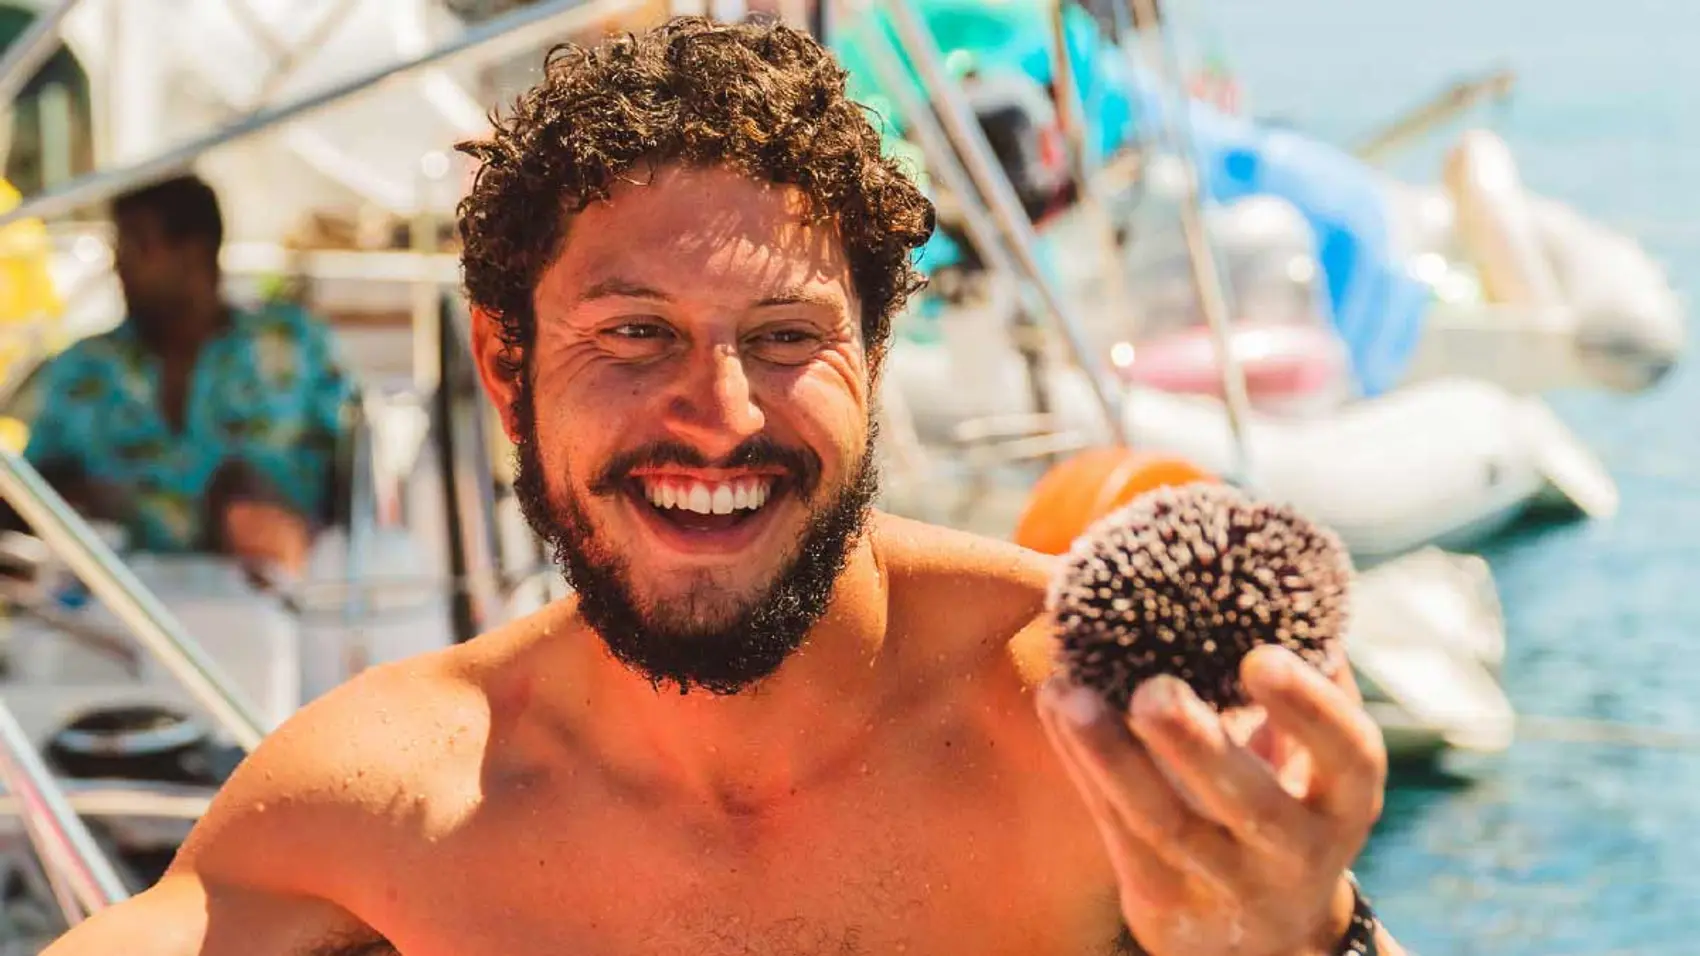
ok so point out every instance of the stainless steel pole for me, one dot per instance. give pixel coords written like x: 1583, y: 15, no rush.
x: 1206, y: 276
x: 1003, y: 203
x: 61, y: 839
x: 917, y: 117
x: 1069, y: 109
x: 490, y: 39
x: 28, y: 52
x: 123, y: 798
x: 1090, y: 199
x: 70, y: 537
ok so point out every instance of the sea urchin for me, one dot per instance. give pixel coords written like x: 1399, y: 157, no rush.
x: 1187, y: 581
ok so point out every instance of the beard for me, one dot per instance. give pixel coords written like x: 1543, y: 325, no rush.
x: 696, y: 640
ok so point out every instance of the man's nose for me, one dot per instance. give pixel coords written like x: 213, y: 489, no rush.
x: 714, y: 407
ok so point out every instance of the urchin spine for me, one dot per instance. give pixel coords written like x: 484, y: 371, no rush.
x: 1187, y: 581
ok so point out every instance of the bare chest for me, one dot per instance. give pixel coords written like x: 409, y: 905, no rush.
x: 985, y: 860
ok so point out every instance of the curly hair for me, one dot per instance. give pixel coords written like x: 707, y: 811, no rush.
x: 758, y: 97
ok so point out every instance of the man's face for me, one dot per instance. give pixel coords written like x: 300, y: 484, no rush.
x: 693, y: 428
x: 153, y: 270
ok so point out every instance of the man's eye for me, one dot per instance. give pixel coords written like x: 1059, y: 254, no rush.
x: 638, y: 339
x: 786, y: 346
x: 640, y: 330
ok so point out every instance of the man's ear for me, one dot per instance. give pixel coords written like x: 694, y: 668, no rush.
x: 495, y: 368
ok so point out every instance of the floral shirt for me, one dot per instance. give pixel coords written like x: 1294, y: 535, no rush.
x: 267, y: 392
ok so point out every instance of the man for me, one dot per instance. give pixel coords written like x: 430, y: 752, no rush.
x: 768, y: 722
x: 196, y: 425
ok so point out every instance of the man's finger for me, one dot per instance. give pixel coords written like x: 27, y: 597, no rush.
x: 1348, y: 758
x: 1228, y: 782
x: 1140, y: 872
x: 1132, y: 784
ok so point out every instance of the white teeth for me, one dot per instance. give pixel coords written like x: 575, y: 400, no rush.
x: 723, y: 499
x: 719, y: 499
x: 700, y: 500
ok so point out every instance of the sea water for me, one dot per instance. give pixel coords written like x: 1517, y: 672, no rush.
x: 1557, y: 848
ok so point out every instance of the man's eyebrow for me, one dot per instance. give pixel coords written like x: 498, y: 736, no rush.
x: 799, y: 295
x: 617, y: 288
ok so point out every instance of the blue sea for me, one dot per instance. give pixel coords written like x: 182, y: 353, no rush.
x: 1558, y: 848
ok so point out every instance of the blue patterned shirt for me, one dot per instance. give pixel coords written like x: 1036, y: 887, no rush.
x: 267, y: 392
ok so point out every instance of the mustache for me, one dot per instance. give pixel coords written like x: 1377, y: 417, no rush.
x: 801, y: 466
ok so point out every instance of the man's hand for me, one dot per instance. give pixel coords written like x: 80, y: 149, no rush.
x: 251, y: 523
x: 265, y: 535
x: 91, y: 498
x: 1222, y: 847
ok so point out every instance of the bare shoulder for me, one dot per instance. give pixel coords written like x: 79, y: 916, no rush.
x: 389, y: 760
x: 978, y: 599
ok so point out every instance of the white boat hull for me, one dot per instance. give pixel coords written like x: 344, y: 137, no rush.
x: 1447, y: 462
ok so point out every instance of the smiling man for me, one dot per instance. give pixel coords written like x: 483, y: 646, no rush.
x: 704, y: 548
x: 770, y: 721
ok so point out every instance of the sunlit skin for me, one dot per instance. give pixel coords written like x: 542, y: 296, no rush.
x: 718, y: 315
x: 703, y: 327
x: 889, y: 789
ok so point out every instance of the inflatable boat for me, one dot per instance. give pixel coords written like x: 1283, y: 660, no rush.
x: 1445, y: 462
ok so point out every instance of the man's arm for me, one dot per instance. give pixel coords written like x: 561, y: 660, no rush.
x: 280, y: 858
x: 58, y: 445
x: 186, y: 915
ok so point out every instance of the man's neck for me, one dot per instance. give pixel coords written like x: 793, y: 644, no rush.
x: 748, y: 751
x: 182, y: 327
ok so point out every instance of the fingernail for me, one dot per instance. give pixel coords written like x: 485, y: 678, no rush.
x: 1277, y: 664
x: 1082, y: 706
x: 1158, y: 697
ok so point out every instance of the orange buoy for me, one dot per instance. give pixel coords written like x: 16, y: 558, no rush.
x: 1090, y: 485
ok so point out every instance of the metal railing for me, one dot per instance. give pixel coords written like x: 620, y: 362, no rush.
x: 1205, y: 272
x: 123, y: 798
x: 993, y: 186
x: 83, y: 879
x: 92, y: 560
x: 983, y: 231
x: 460, y: 416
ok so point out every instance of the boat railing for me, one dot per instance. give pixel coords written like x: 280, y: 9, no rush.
x: 963, y: 146
x: 88, y: 556
x: 82, y: 879
x: 1155, y: 48
x: 96, y: 799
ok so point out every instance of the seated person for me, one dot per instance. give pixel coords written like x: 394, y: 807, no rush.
x: 196, y: 425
